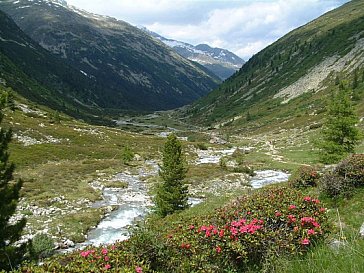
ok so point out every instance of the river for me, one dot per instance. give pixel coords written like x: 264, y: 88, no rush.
x: 134, y: 202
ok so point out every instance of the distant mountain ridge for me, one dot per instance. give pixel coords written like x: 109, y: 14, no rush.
x: 221, y: 62
x: 128, y: 69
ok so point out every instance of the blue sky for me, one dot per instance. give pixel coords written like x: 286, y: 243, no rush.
x: 241, y: 26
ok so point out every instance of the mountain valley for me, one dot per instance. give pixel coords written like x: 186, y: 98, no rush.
x: 120, y: 62
x: 93, y: 100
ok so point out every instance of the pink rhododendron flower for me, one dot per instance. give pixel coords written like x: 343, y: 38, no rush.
x: 139, y: 269
x: 85, y: 253
x: 322, y: 209
x: 292, y: 207
x: 311, y: 232
x: 192, y: 227
x: 291, y: 218
x: 104, y: 251
x: 307, y: 198
x: 316, y: 201
x: 106, y: 258
x: 221, y: 233
x: 107, y: 266
x: 278, y: 214
x: 305, y: 241
x: 218, y: 249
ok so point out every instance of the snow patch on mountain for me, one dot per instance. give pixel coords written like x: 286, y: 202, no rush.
x: 221, y: 62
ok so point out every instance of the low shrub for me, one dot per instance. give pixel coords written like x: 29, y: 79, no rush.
x: 352, y: 168
x: 112, y: 258
x: 201, y: 146
x: 41, y: 246
x: 276, y: 220
x: 334, y: 185
x: 244, y: 169
x: 304, y: 177
x: 127, y: 155
x: 347, y: 175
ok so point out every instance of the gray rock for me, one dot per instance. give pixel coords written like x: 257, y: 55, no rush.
x: 361, y: 231
x: 69, y: 243
x: 337, y: 244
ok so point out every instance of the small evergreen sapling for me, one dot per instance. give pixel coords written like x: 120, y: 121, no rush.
x: 10, y: 255
x: 339, y: 134
x: 172, y: 192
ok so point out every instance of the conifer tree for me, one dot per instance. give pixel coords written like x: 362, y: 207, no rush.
x: 172, y: 192
x: 339, y: 134
x: 10, y: 255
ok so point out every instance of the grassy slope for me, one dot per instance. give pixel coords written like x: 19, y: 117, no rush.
x: 79, y: 154
x: 250, y: 91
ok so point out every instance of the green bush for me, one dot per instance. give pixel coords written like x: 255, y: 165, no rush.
x: 42, y: 246
x: 352, y: 168
x: 201, y: 146
x: 244, y: 169
x: 304, y: 177
x: 127, y: 155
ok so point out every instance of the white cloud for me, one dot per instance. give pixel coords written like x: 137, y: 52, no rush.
x: 244, y: 27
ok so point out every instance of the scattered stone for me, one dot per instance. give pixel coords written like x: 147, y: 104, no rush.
x: 217, y: 140
x: 361, y: 232
x: 337, y: 244
x: 69, y: 243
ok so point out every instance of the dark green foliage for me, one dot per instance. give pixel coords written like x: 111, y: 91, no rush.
x: 355, y: 79
x: 172, y: 192
x: 127, y: 155
x: 201, y: 146
x: 244, y: 169
x: 55, y: 117
x: 339, y: 134
x: 304, y: 177
x: 9, y: 194
x: 42, y: 246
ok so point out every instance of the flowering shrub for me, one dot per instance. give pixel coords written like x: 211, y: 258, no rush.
x: 113, y: 258
x: 245, y: 232
x: 276, y: 220
x: 304, y: 177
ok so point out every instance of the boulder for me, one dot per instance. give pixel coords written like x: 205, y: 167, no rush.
x: 69, y: 243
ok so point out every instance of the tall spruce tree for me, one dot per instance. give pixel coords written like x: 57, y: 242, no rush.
x: 172, y: 192
x: 339, y: 134
x: 10, y: 255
